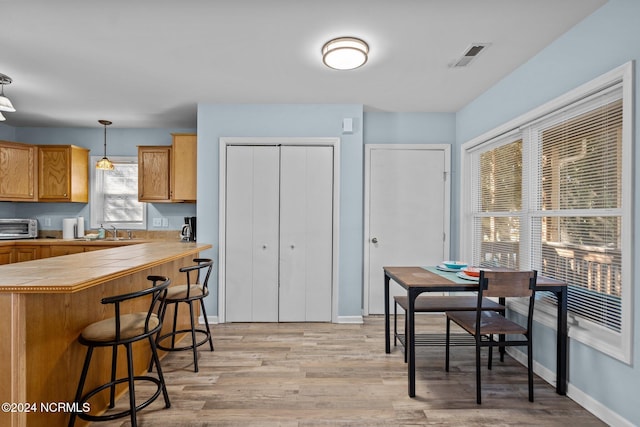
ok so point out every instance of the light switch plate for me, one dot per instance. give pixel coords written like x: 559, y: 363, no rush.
x: 165, y: 222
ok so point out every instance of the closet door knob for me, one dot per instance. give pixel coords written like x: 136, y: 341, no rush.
x: 374, y: 240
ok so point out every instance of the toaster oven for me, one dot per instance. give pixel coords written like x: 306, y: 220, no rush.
x: 16, y: 228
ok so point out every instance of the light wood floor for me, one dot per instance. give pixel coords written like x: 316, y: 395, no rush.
x: 321, y: 374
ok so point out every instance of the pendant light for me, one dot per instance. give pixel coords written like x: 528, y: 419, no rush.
x: 2, y: 118
x: 104, y: 163
x: 5, y: 103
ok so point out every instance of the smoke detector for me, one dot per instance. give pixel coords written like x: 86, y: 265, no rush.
x: 469, y: 55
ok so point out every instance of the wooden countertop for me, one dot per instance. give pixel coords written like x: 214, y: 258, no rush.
x: 73, y: 273
x: 74, y: 242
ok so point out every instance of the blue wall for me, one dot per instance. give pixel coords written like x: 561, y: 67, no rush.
x: 608, y: 38
x: 120, y: 142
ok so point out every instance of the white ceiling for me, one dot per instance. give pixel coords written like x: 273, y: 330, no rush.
x: 147, y: 63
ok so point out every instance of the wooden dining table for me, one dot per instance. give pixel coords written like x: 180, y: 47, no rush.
x: 417, y: 280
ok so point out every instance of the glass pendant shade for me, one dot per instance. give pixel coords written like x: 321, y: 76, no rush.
x: 5, y: 103
x: 104, y: 163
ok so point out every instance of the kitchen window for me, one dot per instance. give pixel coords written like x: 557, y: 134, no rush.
x: 553, y: 192
x: 114, y: 196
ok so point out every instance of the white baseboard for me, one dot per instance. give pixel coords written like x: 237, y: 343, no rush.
x: 213, y: 320
x: 350, y: 319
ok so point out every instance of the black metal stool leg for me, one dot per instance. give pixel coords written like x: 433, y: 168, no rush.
x: 132, y: 392
x: 83, y: 377
x: 206, y: 323
x: 154, y: 356
x: 175, y: 322
x: 114, y: 366
x: 193, y: 337
x: 163, y: 312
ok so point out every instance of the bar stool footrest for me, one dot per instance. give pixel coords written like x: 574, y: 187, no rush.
x: 126, y: 413
x: 207, y: 337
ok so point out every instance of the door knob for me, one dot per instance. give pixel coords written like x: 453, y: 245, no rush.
x: 374, y: 240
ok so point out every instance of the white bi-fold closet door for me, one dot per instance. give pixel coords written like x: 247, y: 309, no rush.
x: 279, y: 239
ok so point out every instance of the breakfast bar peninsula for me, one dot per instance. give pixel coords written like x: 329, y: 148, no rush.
x: 45, y: 304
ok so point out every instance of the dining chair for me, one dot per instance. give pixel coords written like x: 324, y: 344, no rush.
x: 484, y: 325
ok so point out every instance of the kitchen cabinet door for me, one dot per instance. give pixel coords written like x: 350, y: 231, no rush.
x: 17, y: 171
x: 26, y: 253
x: 154, y: 177
x: 184, y: 171
x: 63, y: 173
x: 6, y: 255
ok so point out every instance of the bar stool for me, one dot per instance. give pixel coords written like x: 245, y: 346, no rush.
x: 188, y: 293
x: 124, y: 329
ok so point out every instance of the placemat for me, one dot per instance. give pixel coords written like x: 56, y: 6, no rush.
x: 447, y: 275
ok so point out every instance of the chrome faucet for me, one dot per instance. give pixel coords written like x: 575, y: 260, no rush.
x: 115, y: 232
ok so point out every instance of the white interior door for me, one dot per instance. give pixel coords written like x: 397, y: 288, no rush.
x: 306, y: 222
x: 252, y: 233
x: 408, y: 211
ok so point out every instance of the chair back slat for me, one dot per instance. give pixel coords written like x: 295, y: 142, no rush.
x: 507, y: 283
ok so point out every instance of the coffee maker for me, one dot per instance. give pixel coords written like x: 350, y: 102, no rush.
x: 188, y: 232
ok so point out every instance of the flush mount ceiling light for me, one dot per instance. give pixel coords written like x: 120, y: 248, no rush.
x: 104, y: 163
x: 5, y: 104
x: 345, y: 53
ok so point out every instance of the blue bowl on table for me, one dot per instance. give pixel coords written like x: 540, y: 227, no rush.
x: 454, y: 265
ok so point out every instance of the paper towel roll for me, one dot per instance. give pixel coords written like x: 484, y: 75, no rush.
x: 68, y: 228
x: 80, y: 227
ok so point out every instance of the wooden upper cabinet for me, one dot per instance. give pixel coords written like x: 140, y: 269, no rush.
x: 18, y: 171
x: 154, y: 173
x: 184, y: 167
x: 63, y: 173
x: 167, y: 174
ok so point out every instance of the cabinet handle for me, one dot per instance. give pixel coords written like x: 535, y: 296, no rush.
x: 65, y: 194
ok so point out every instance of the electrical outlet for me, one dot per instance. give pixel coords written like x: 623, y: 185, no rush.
x: 165, y: 222
x: 157, y: 222
x: 47, y: 222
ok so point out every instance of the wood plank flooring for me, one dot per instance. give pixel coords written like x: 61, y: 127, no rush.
x: 322, y: 374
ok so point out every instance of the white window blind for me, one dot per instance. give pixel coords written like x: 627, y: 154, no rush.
x: 498, y: 205
x: 114, y: 196
x: 552, y: 191
x: 577, y: 219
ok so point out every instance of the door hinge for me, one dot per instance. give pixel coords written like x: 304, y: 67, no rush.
x: 444, y: 175
x: 444, y: 237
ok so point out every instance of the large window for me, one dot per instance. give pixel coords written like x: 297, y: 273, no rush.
x: 554, y: 194
x: 114, y: 196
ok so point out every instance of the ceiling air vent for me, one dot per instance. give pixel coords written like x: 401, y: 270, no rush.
x: 469, y: 55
